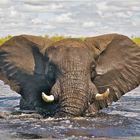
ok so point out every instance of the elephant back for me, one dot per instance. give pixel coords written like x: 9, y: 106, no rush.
x: 69, y: 43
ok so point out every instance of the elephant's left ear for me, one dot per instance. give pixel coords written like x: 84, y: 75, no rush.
x: 117, y: 68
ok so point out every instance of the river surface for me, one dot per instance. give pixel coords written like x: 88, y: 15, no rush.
x: 119, y: 121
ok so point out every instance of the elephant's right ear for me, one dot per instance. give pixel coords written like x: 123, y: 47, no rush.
x: 117, y: 68
x: 20, y: 57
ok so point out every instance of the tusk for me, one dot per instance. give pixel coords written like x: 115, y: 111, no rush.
x: 103, y: 95
x: 47, y: 98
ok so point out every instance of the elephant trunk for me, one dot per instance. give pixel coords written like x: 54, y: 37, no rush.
x: 71, y: 89
x: 73, y: 95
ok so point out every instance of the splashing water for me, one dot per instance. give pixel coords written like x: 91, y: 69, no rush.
x: 119, y: 121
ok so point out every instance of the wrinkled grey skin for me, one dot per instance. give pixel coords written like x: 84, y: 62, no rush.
x: 74, y: 71
x: 73, y: 88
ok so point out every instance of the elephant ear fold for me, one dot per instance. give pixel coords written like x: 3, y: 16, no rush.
x: 117, y: 68
x: 99, y: 43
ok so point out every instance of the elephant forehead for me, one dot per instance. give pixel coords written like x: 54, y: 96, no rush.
x: 77, y: 54
x: 70, y: 42
x: 70, y: 54
x: 69, y: 49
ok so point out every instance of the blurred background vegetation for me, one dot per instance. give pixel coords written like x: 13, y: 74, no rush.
x: 60, y: 37
x: 136, y: 40
x: 4, y: 39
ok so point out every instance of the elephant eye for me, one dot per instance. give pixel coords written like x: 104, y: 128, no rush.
x: 93, y: 71
x: 93, y: 67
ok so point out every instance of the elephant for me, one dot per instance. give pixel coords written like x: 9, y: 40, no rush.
x: 72, y: 77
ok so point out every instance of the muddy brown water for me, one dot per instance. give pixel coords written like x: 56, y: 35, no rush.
x: 119, y: 121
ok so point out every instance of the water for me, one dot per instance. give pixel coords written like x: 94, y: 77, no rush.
x: 119, y: 121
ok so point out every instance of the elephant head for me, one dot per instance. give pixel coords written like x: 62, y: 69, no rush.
x: 73, y: 77
x: 73, y: 88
